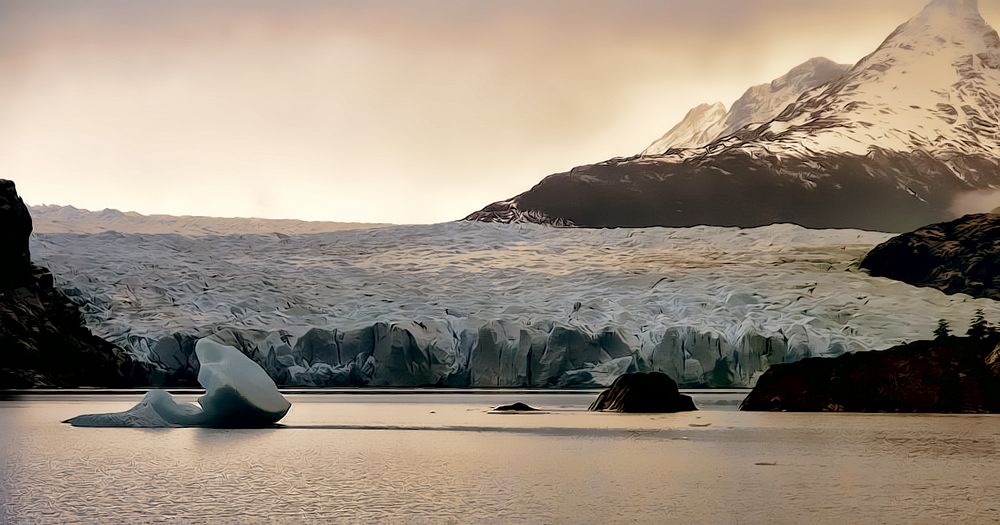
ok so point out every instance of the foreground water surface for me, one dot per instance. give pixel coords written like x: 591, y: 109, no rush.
x: 441, y: 458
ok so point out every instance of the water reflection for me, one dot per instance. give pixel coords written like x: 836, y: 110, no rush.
x: 423, y: 459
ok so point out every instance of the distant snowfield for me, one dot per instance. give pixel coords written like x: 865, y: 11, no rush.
x: 476, y: 304
x: 69, y: 219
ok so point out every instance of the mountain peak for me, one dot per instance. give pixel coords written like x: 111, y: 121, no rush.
x: 701, y: 108
x: 955, y: 6
x: 759, y: 104
x: 933, y: 85
x: 958, y: 21
x: 700, y: 125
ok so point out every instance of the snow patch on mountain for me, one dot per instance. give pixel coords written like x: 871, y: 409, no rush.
x: 932, y: 86
x: 701, y: 125
x: 757, y: 105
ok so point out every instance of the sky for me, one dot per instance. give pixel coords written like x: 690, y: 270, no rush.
x: 403, y: 111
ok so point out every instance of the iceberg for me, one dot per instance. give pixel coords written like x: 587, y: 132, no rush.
x: 238, y: 394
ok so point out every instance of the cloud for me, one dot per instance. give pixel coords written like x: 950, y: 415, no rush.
x: 976, y: 202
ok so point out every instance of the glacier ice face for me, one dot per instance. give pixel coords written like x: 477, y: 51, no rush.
x: 238, y: 394
x: 483, y: 305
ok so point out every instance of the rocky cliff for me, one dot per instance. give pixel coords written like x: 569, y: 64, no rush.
x: 961, y: 256
x: 952, y: 375
x: 43, y: 341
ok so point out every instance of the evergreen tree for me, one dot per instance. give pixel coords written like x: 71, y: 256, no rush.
x: 978, y: 328
x: 943, y: 330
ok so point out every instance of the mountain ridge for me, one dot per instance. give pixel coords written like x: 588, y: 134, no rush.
x: 889, y: 146
x: 758, y: 104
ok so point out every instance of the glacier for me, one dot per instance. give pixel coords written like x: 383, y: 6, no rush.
x: 486, y: 305
x: 238, y: 394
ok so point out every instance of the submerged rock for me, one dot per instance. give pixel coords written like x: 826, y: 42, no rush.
x: 961, y: 256
x: 952, y: 375
x: 647, y: 393
x: 514, y: 407
x: 238, y: 394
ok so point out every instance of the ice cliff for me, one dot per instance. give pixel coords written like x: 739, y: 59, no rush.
x: 473, y: 304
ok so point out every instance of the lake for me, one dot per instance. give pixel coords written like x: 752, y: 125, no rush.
x: 422, y: 457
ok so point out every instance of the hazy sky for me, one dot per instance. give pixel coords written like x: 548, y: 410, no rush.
x: 375, y: 110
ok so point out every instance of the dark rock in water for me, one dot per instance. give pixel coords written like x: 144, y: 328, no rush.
x: 514, y: 407
x: 952, y: 375
x: 961, y: 256
x: 648, y: 393
x: 43, y: 341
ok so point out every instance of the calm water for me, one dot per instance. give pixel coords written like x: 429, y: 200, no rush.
x: 439, y: 458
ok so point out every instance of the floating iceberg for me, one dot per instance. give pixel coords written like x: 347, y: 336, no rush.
x: 238, y: 394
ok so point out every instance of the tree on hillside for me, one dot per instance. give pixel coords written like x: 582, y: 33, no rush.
x: 943, y: 330
x: 978, y: 327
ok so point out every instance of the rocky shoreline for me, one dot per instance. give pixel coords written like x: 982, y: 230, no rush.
x: 948, y: 375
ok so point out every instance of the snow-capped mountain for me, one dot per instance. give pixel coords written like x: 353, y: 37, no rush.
x: 932, y: 86
x: 759, y: 104
x: 889, y: 146
x: 701, y: 125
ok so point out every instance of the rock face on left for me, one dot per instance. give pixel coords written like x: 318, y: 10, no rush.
x: 43, y: 341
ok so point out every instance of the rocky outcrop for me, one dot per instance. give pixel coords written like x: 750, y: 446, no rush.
x: 952, y: 375
x: 514, y: 407
x: 645, y: 393
x: 961, y: 256
x: 43, y: 341
x: 15, y: 259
